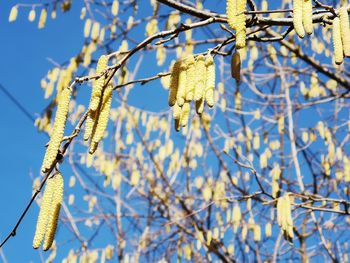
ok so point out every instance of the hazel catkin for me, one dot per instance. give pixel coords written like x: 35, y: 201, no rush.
x: 307, y: 16
x: 337, y: 41
x: 58, y: 130
x: 200, y: 78
x: 98, y: 83
x: 345, y: 29
x: 55, y: 206
x: 174, y: 82
x: 210, y: 80
x: 181, y: 90
x: 231, y: 6
x: 190, y: 77
x: 298, y: 17
x: 241, y: 24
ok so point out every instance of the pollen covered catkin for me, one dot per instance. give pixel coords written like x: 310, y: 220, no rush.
x: 174, y: 82
x: 89, y: 124
x: 345, y: 29
x: 13, y: 14
x: 103, y: 116
x: 298, y: 17
x: 241, y: 29
x: 98, y: 83
x: 58, y: 129
x: 337, y: 41
x: 307, y: 16
x: 181, y: 91
x: 200, y: 78
x: 43, y: 214
x: 190, y: 77
x: 55, y: 206
x: 231, y: 6
x: 210, y: 80
x: 186, y: 108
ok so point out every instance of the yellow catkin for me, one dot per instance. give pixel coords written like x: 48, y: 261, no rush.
x: 177, y: 112
x: 13, y: 14
x: 87, y: 27
x: 345, y: 29
x: 236, y: 66
x: 181, y: 90
x: 58, y: 129
x: 337, y: 42
x: 231, y: 6
x: 174, y: 82
x: 31, y: 16
x: 298, y: 17
x: 42, y: 18
x: 210, y: 81
x: 89, y: 124
x: 186, y: 108
x: 200, y: 78
x: 98, y: 83
x: 307, y: 16
x: 190, y: 77
x: 103, y: 117
x: 43, y: 214
x: 115, y: 7
x: 55, y: 206
x: 241, y: 29
x: 95, y: 31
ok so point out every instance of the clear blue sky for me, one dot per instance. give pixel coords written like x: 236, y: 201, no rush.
x: 24, y: 61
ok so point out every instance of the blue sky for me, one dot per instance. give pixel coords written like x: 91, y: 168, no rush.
x: 24, y: 61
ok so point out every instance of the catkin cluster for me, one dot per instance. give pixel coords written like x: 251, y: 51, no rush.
x: 341, y: 35
x: 235, y: 11
x: 49, y: 212
x: 99, y: 108
x: 192, y: 79
x: 302, y: 17
x: 58, y: 130
x: 284, y: 216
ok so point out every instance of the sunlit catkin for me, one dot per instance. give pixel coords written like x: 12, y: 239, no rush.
x: 43, y: 214
x: 87, y: 27
x: 115, y: 7
x: 55, y: 206
x: 58, y: 129
x: 89, y: 124
x: 181, y: 90
x: 95, y: 30
x: 98, y: 83
x: 231, y: 6
x: 174, y: 82
x: 103, y: 117
x: 190, y: 77
x: 298, y: 17
x: 240, y: 24
x: 345, y: 29
x: 13, y: 14
x: 186, y: 108
x: 31, y: 16
x: 337, y: 42
x: 307, y: 16
x: 210, y: 81
x: 42, y: 18
x: 200, y: 78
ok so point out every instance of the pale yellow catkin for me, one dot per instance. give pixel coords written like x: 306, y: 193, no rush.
x: 87, y: 27
x: 200, y: 78
x: 95, y: 31
x: 307, y: 16
x: 298, y: 17
x: 58, y: 129
x: 345, y: 29
x: 98, y: 83
x: 181, y: 90
x: 241, y: 30
x: 186, y: 108
x: 89, y: 124
x: 31, y: 16
x: 231, y: 6
x: 42, y: 18
x: 115, y: 7
x: 190, y: 77
x: 177, y: 112
x: 174, y: 82
x: 103, y: 116
x: 43, y: 214
x: 13, y: 14
x: 210, y: 81
x: 57, y: 197
x: 337, y: 42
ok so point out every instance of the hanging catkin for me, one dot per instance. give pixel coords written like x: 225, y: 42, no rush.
x: 210, y: 80
x: 298, y: 17
x: 43, y: 214
x: 190, y: 77
x: 98, y: 83
x: 58, y: 130
x: 186, y: 108
x: 337, y: 42
x: 55, y: 206
x: 103, y: 116
x: 174, y: 82
x: 307, y: 16
x: 181, y: 91
x: 200, y: 78
x: 345, y: 29
x: 231, y: 6
x: 240, y: 24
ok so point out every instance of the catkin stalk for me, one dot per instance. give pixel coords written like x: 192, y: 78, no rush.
x: 298, y: 17
x: 345, y: 29
x: 337, y: 42
x: 57, y: 196
x: 210, y: 80
x: 174, y: 83
x: 58, y: 130
x: 103, y: 117
x: 98, y: 83
x: 307, y: 16
x: 43, y: 214
x: 200, y: 78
